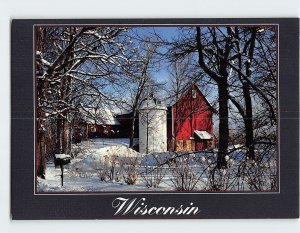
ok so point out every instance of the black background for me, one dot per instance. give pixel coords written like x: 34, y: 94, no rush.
x: 26, y: 205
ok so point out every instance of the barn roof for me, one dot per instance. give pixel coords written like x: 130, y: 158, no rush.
x: 99, y: 116
x: 189, y: 87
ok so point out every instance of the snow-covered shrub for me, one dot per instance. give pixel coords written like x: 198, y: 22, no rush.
x: 78, y: 150
x: 181, y: 171
x: 130, y: 177
x: 129, y: 169
x: 109, y: 163
x: 152, y: 169
x: 244, y: 174
x: 184, y: 175
x: 259, y: 174
x: 109, y: 168
x: 119, y: 163
x: 103, y: 173
x: 81, y: 167
x: 152, y: 176
x: 83, y: 164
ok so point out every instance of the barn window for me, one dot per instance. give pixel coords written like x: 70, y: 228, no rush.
x: 158, y: 102
x: 194, y: 94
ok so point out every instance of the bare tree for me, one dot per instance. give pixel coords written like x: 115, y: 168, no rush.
x: 246, y: 67
x: 241, y: 63
x: 74, y: 63
x: 139, y: 81
x: 180, y: 80
x: 217, y: 50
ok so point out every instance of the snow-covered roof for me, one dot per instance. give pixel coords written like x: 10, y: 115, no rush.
x: 203, y: 134
x: 99, y: 116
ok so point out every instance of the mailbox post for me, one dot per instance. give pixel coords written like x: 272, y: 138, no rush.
x: 61, y: 160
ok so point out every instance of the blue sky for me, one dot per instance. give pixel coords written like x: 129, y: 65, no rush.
x: 167, y: 33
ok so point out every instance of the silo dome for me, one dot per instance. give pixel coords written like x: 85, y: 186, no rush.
x: 152, y: 126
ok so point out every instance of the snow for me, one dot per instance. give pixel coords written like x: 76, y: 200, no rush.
x: 46, y: 62
x: 52, y: 183
x: 203, y: 134
x: 62, y: 156
x: 82, y: 175
x: 103, y: 116
x: 84, y: 172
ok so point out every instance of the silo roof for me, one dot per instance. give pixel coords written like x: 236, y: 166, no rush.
x: 152, y: 103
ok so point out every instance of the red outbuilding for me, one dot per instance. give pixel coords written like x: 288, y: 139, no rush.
x: 100, y: 123
x: 190, y: 125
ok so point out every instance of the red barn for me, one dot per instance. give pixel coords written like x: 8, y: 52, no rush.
x: 101, y: 123
x: 190, y: 125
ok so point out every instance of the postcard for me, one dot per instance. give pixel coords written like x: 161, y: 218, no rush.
x: 178, y: 118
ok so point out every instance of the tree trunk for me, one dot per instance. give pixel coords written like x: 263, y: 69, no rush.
x: 223, y: 124
x: 248, y: 101
x: 248, y: 122
x: 40, y: 141
x: 132, y: 130
x: 40, y: 154
x: 59, y: 136
x: 66, y: 144
x: 63, y: 145
x: 247, y: 114
x: 221, y: 80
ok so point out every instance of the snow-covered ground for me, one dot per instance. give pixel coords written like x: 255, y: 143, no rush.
x: 109, y: 165
x: 81, y: 174
x: 72, y: 183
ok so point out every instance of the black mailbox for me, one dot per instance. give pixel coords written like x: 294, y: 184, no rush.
x: 61, y: 160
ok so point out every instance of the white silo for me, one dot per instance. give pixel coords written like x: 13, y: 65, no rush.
x: 152, y: 126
